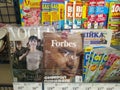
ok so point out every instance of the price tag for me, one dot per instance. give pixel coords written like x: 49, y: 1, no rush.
x: 98, y: 86
x: 86, y: 86
x: 75, y: 86
x: 34, y: 86
x: 19, y: 86
x: 50, y: 86
x: 63, y: 86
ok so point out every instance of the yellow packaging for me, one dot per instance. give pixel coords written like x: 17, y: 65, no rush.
x: 45, y: 14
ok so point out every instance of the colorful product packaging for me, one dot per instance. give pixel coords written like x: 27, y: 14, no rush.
x: 106, y: 51
x: 91, y: 14
x: 68, y: 20
x: 113, y: 73
x: 45, y: 14
x: 57, y: 14
x: 93, y: 65
x: 87, y: 53
x: 111, y: 59
x: 84, y: 14
x: 30, y: 12
x: 77, y: 14
x: 114, y: 23
x: 101, y: 14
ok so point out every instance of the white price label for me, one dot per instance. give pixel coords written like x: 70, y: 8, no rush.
x: 50, y: 86
x: 19, y: 86
x: 75, y: 86
x: 34, y: 86
x: 86, y: 86
x: 63, y: 86
x: 98, y: 86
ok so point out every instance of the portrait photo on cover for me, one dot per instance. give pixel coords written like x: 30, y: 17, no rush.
x: 26, y: 55
x: 62, y: 56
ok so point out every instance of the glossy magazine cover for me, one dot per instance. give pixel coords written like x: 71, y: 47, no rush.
x: 114, y: 23
x: 27, y: 53
x: 63, y: 57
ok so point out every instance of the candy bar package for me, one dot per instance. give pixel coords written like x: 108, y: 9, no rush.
x: 96, y: 37
x: 4, y: 44
x: 63, y: 57
x: 26, y: 48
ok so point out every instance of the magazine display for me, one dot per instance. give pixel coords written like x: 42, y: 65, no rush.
x: 27, y: 53
x: 63, y: 57
x: 101, y: 64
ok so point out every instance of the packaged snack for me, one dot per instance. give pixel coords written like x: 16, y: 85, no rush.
x: 26, y: 46
x: 68, y: 22
x: 91, y: 14
x: 57, y: 14
x: 45, y: 14
x: 101, y: 14
x: 30, y: 12
x: 62, y: 56
x: 77, y: 14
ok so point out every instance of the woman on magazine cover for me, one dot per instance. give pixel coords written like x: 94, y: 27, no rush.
x: 34, y: 55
